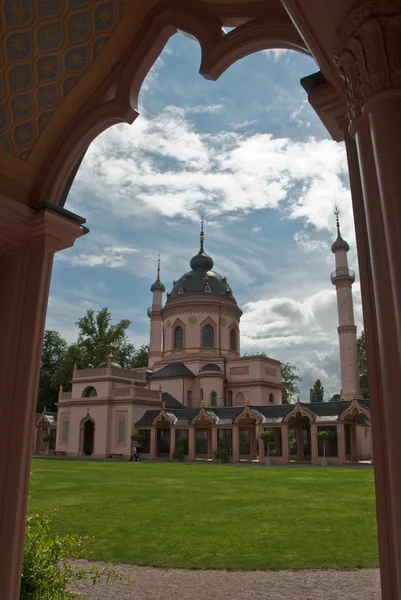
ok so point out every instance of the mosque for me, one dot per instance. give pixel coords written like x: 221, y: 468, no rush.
x: 198, y: 393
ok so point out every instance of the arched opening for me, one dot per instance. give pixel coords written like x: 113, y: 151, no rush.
x: 239, y: 399
x: 233, y: 340
x: 88, y: 437
x: 213, y: 399
x: 299, y: 438
x: 89, y: 392
x: 179, y: 337
x: 208, y: 337
x: 271, y: 398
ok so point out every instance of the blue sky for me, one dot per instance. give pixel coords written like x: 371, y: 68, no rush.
x: 249, y: 153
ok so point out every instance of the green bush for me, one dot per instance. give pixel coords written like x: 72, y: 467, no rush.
x: 179, y: 453
x: 47, y: 572
x: 138, y: 437
x: 221, y: 453
x: 47, y: 437
x: 268, y: 436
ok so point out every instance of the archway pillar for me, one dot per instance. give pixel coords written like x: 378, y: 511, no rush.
x: 341, y: 443
x: 284, y: 443
x: 235, y: 444
x: 172, y: 442
x: 214, y: 438
x: 191, y: 443
x: 367, y: 58
x: 28, y: 241
x: 314, y: 456
x: 153, y: 443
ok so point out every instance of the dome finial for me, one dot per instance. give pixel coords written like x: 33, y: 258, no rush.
x: 202, y: 235
x: 201, y: 260
x: 158, y: 286
x: 339, y: 244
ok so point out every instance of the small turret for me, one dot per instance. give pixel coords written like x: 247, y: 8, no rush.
x: 157, y: 286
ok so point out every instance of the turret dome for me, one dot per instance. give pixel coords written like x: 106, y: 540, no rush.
x: 201, y: 279
x: 157, y: 286
x: 340, y: 243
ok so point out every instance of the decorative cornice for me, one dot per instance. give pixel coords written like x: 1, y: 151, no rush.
x: 367, y: 55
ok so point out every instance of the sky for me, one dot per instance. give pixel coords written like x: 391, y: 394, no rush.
x: 248, y: 153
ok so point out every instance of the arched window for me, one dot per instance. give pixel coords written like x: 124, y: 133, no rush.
x: 240, y: 399
x: 208, y: 288
x: 90, y: 392
x: 233, y: 340
x: 178, y: 337
x: 207, y: 337
x: 181, y: 290
x: 121, y: 429
x: 213, y: 399
x: 201, y: 393
x: 271, y: 398
x: 64, y: 430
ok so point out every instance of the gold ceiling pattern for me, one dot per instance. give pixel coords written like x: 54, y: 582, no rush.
x: 45, y: 48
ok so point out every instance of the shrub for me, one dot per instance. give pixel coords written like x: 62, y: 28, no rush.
x: 47, y: 572
x: 268, y: 436
x: 326, y: 436
x: 47, y: 437
x: 221, y: 453
x: 138, y: 437
x: 179, y: 453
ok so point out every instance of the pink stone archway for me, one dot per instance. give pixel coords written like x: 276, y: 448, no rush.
x: 116, y: 101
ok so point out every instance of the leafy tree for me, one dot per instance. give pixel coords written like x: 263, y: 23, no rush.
x: 290, y: 381
x: 63, y: 375
x: 97, y: 338
x: 141, y: 357
x: 316, y: 394
x: 53, y: 350
x: 363, y: 365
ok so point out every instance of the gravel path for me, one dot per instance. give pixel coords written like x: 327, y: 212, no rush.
x: 175, y: 584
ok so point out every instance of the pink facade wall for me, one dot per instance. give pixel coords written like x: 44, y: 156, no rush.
x: 364, y: 442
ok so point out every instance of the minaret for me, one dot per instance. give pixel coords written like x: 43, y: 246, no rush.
x: 343, y: 279
x: 156, y: 324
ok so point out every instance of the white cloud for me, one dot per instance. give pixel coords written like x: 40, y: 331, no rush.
x: 276, y: 53
x: 200, y: 108
x: 164, y: 166
x: 308, y: 244
x: 113, y: 257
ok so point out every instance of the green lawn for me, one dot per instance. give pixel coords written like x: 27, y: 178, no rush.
x: 207, y: 516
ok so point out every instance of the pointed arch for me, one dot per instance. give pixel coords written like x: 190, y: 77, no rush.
x: 300, y: 412
x: 354, y: 409
x: 178, y: 339
x: 248, y: 415
x: 204, y: 418
x: 164, y: 419
x: 89, y: 392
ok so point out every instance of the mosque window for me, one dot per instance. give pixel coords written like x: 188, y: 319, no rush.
x: 201, y: 393
x: 233, y: 340
x: 64, y: 430
x: 181, y: 290
x: 213, y: 399
x: 178, y: 337
x: 207, y: 337
x: 121, y: 430
x: 229, y: 398
x: 90, y: 392
x: 271, y: 398
x: 207, y: 288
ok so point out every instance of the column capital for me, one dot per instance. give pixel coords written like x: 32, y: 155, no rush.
x: 367, y: 56
x: 47, y: 223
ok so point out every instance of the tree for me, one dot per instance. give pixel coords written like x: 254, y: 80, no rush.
x: 53, y: 350
x: 363, y: 365
x: 97, y: 338
x: 141, y: 357
x: 316, y: 394
x: 289, y: 380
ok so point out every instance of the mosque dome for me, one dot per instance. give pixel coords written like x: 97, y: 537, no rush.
x: 340, y: 243
x: 201, y: 279
x: 105, y: 364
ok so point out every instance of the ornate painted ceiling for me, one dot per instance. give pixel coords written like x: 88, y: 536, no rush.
x: 45, y: 48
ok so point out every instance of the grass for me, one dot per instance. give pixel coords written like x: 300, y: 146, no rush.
x: 212, y: 517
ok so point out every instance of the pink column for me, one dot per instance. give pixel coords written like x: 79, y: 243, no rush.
x: 341, y: 443
x: 191, y: 444
x: 153, y: 443
x: 172, y: 441
x: 284, y: 443
x: 214, y: 439
x: 235, y: 444
x: 31, y: 238
x: 314, y: 445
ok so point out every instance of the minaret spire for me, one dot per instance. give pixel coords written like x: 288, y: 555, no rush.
x: 343, y: 279
x: 156, y: 324
x: 202, y: 235
x: 158, y: 286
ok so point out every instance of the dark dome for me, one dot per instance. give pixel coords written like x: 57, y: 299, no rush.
x: 201, y: 280
x: 106, y: 364
x: 157, y: 286
x: 210, y: 367
x: 340, y: 244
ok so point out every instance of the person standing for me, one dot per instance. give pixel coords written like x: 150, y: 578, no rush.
x: 133, y: 453
x: 138, y: 452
